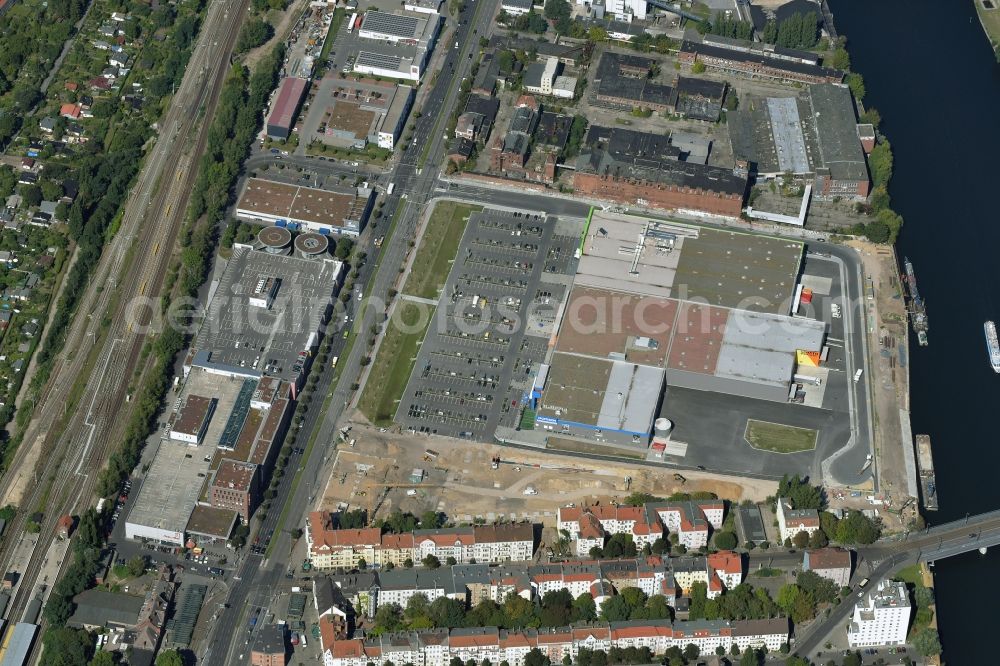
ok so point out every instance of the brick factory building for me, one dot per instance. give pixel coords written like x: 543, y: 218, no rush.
x: 635, y: 168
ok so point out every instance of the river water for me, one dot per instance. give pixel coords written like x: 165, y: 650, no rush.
x: 929, y: 70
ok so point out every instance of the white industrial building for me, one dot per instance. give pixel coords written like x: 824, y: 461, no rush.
x: 881, y: 617
x: 401, y: 44
x: 622, y: 10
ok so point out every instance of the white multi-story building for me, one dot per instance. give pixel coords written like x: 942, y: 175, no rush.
x: 642, y: 522
x: 831, y: 563
x: 881, y: 617
x: 791, y: 521
x: 693, y: 521
x: 623, y: 10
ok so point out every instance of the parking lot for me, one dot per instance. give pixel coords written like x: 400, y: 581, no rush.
x: 492, y: 326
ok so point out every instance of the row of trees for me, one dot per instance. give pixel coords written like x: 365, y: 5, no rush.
x: 743, y: 602
x: 727, y: 26
x: 555, y: 609
x: 798, y: 31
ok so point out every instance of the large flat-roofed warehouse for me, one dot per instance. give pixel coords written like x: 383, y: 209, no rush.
x: 252, y: 359
x: 607, y: 399
x: 356, y: 113
x: 244, y: 340
x: 399, y: 45
x: 281, y: 120
x: 668, y: 259
x: 657, y: 303
x: 637, y: 168
x: 813, y: 136
x: 270, y: 202
x: 181, y: 474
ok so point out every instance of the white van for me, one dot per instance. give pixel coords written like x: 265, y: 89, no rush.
x: 857, y: 375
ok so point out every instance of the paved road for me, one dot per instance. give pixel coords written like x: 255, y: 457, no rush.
x: 256, y: 578
x: 886, y: 558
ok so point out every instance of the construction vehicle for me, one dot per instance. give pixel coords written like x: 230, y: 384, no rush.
x: 679, y: 477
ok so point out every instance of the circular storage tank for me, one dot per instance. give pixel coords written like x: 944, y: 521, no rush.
x: 274, y: 239
x: 662, y: 426
x: 312, y: 244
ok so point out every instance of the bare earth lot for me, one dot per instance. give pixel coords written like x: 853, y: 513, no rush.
x: 375, y: 475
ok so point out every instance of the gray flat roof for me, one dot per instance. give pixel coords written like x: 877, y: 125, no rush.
x: 179, y: 470
x: 836, y: 131
x: 397, y: 25
x: 267, y: 340
x: 786, y: 128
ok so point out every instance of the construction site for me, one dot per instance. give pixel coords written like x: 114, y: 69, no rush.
x: 383, y: 471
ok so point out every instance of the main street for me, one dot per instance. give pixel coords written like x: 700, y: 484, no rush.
x: 414, y: 186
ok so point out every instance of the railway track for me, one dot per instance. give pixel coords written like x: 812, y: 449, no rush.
x: 67, y: 472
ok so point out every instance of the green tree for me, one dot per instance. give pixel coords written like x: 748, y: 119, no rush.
x: 431, y: 562
x: 557, y: 608
x: 880, y: 160
x: 926, y: 642
x: 620, y: 545
x: 66, y: 647
x: 818, y: 539
x: 558, y: 11
x: 770, y: 34
x: 801, y: 539
x: 445, y: 612
x: 615, y: 609
x: 852, y: 659
x: 8, y: 181
x: 169, y: 658
x: 698, y: 67
x: 800, y: 492
x: 657, y: 608
x: 388, y: 618
x: 535, y: 657
x: 104, y: 659
x: 431, y: 520
x: 857, y: 528
x: 841, y: 59
x: 871, y: 116
x: 823, y: 589
x: 856, y: 83
x: 725, y: 540
x: 584, y: 608
x: 255, y: 31
x: 417, y: 612
x: 136, y: 566
x: 750, y: 657
x: 32, y: 194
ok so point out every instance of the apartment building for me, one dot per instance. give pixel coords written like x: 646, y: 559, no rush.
x: 438, y: 647
x: 881, y: 617
x: 791, y: 521
x: 331, y: 548
x: 692, y: 521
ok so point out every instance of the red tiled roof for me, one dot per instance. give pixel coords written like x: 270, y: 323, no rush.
x: 590, y: 527
x: 341, y: 649
x: 397, y: 541
x: 829, y: 558
x: 727, y: 561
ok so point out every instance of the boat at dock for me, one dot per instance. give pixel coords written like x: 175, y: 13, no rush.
x: 917, y: 309
x: 992, y: 346
x: 925, y: 469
